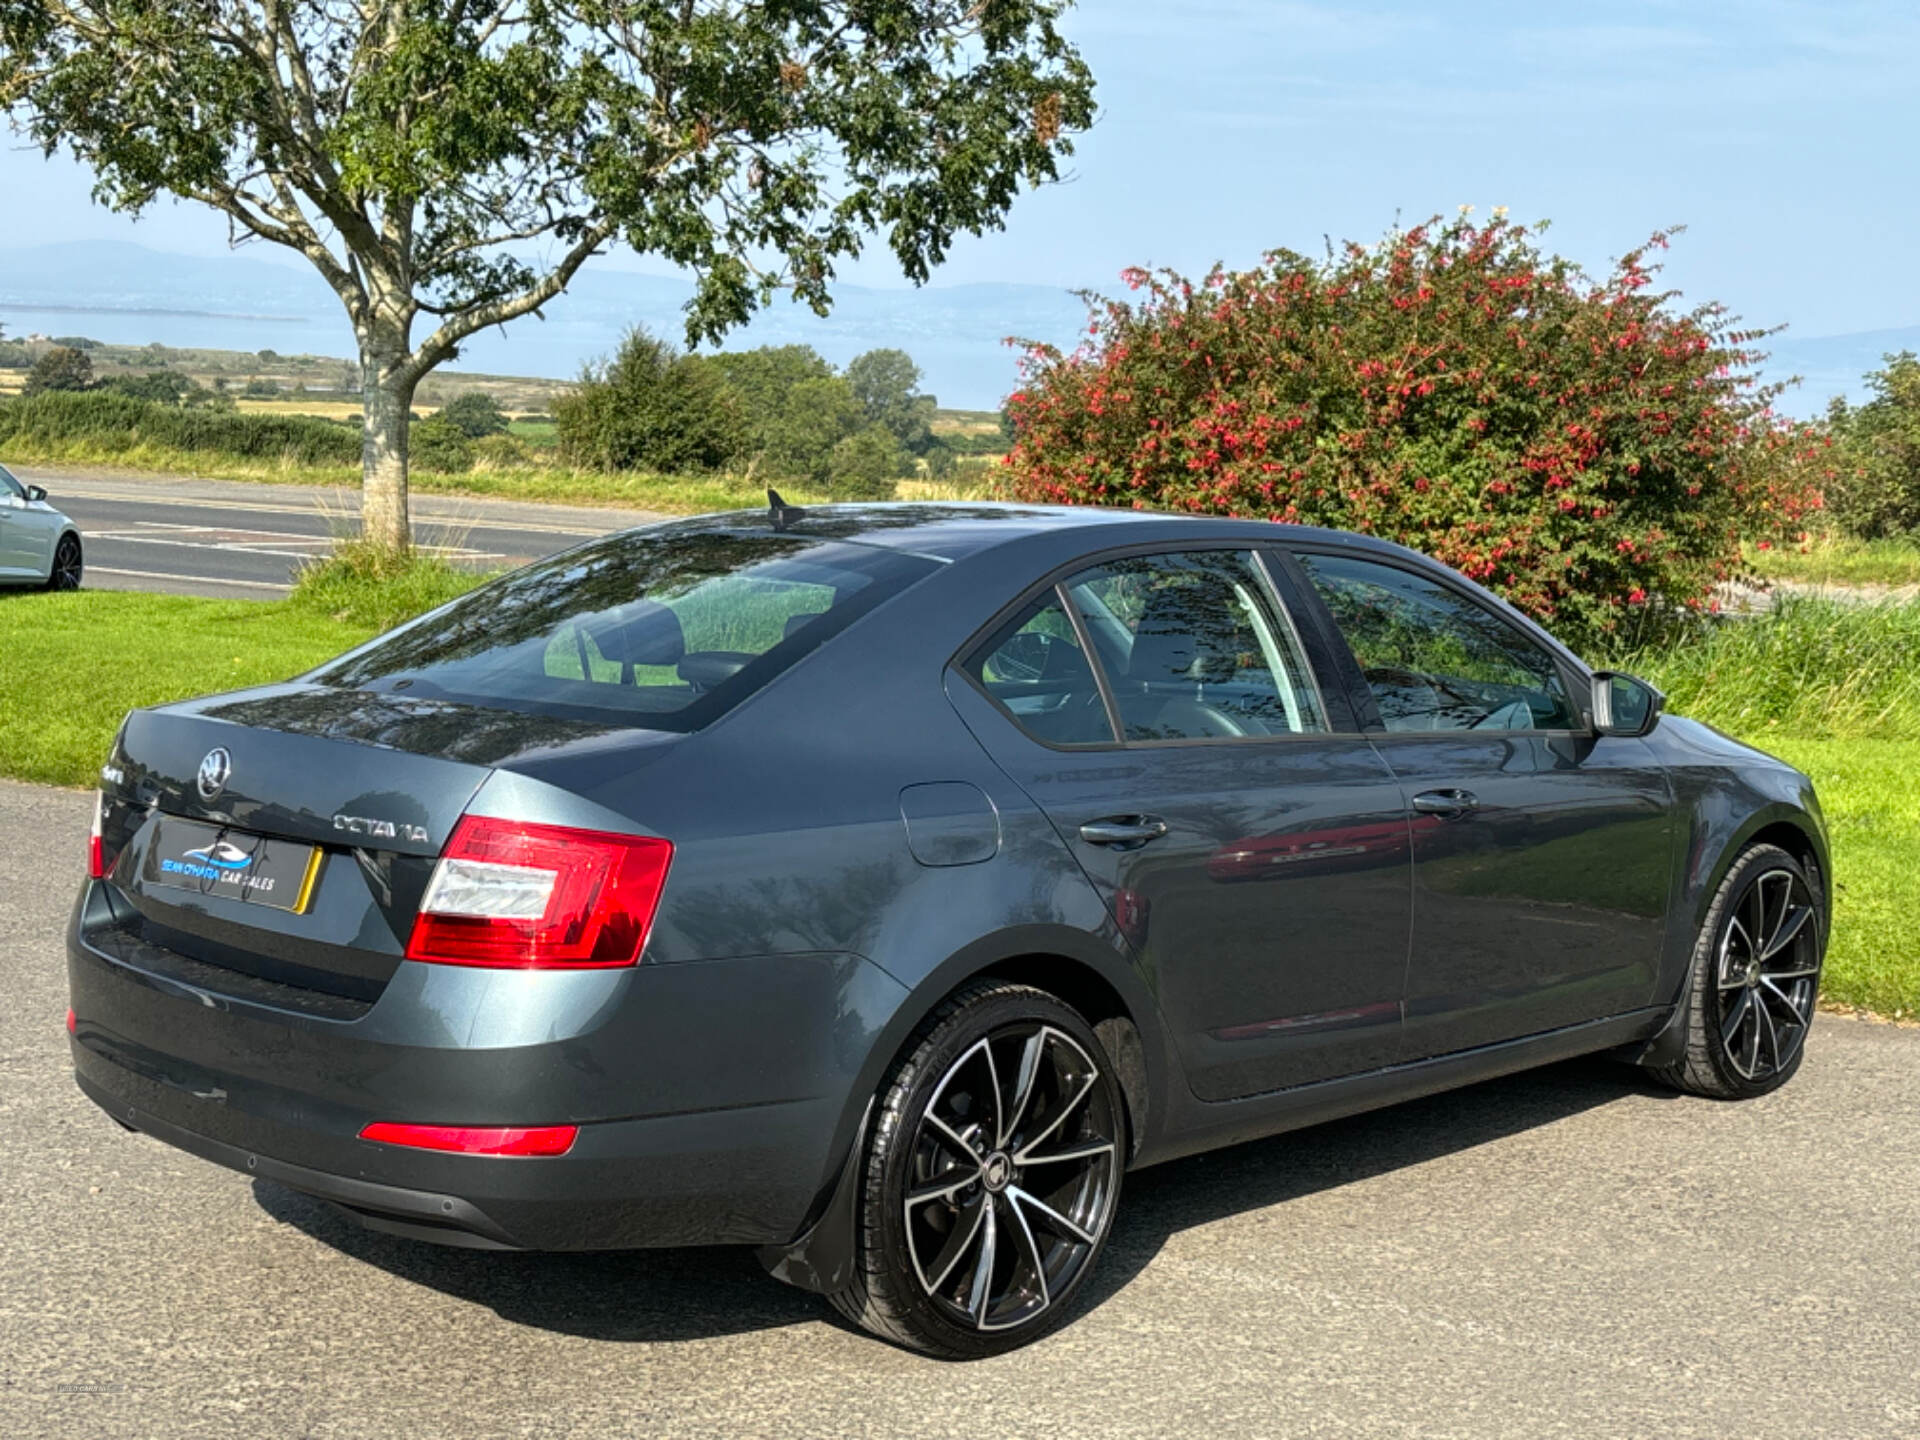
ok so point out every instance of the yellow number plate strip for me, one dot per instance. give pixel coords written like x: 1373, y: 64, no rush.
x: 311, y: 880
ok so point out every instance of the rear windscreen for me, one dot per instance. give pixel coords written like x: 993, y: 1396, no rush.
x: 665, y: 629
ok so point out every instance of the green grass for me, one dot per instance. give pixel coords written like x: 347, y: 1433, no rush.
x: 1811, y: 668
x: 74, y: 664
x: 1870, y: 790
x: 1836, y: 560
x: 362, y: 586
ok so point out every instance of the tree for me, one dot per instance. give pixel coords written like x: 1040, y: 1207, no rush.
x: 1876, y: 491
x: 1581, y: 445
x: 163, y: 387
x: 61, y: 368
x: 795, y: 406
x: 462, y: 159
x: 475, y: 414
x: 866, y: 465
x: 886, y: 383
x: 650, y: 408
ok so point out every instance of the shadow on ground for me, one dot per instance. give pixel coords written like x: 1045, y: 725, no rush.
x: 671, y: 1295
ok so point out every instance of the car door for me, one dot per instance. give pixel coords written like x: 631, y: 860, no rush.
x: 1542, y: 852
x: 1163, y: 711
x: 18, y: 533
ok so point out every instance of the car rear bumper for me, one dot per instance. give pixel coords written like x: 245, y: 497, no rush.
x: 712, y: 1098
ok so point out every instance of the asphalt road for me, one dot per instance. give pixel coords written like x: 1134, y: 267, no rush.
x: 203, y: 537
x: 1567, y: 1253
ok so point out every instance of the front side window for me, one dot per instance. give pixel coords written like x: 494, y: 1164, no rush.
x: 1434, y: 659
x: 10, y: 487
x: 664, y: 629
x: 1196, y: 647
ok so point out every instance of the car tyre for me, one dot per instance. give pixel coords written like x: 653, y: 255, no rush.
x: 1756, y: 978
x: 68, y: 565
x: 991, y: 1179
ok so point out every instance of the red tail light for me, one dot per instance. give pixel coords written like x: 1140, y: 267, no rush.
x: 73, y: 1022
x: 96, y: 846
x: 540, y: 896
x: 476, y: 1140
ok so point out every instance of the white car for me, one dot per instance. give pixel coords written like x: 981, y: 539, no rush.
x: 38, y: 545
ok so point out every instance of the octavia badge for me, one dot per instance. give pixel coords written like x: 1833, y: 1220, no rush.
x: 214, y: 771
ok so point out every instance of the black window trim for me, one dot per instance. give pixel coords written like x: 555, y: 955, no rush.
x: 1342, y: 721
x: 1573, y: 674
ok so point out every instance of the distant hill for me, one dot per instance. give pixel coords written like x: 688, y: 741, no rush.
x: 126, y: 294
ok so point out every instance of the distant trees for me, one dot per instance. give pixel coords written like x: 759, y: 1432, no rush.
x: 650, y: 408
x: 1876, y: 488
x: 162, y: 387
x: 778, y: 412
x: 475, y: 414
x: 61, y: 368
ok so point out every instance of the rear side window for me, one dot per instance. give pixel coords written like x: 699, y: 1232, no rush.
x: 1034, y: 667
x: 664, y: 629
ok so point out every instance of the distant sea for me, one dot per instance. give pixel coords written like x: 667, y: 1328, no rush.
x: 125, y: 294
x: 129, y: 295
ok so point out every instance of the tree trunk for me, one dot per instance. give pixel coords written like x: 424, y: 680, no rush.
x: 388, y: 402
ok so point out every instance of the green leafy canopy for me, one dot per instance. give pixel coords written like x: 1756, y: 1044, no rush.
x: 755, y: 143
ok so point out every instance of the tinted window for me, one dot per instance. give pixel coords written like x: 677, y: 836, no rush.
x: 1434, y: 659
x: 1035, y: 668
x: 665, y: 629
x: 1196, y: 647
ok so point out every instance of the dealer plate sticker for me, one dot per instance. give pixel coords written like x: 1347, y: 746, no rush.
x: 219, y: 860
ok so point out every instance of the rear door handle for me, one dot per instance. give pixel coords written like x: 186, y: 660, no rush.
x: 1449, y: 804
x: 1123, y: 832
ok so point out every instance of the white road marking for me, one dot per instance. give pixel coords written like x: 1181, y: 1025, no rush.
x: 188, y: 579
x: 449, y: 522
x: 278, y: 544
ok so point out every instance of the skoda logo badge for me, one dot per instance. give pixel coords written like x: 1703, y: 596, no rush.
x: 214, y: 771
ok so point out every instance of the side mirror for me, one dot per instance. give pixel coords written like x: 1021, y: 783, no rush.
x: 36, y: 493
x: 1624, y: 704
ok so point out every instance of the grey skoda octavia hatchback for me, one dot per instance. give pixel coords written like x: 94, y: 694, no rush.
x: 876, y: 886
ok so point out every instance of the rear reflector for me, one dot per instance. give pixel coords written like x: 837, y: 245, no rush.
x: 540, y: 897
x: 73, y: 1022
x: 96, y: 846
x: 476, y: 1140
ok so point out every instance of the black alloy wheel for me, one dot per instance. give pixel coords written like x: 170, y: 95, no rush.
x: 992, y: 1179
x: 1756, y: 979
x: 67, y: 565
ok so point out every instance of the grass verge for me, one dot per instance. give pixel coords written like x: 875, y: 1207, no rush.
x: 1837, y: 560
x: 548, y: 484
x: 74, y: 664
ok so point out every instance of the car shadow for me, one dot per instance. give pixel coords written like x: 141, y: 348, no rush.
x: 658, y: 1296
x: 1165, y: 1199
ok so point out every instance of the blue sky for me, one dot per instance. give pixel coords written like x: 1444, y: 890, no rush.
x: 1781, y: 132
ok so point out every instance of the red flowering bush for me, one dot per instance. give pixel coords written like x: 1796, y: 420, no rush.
x: 1581, y: 446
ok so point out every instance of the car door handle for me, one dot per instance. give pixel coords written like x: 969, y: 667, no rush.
x: 1449, y: 804
x: 1123, y: 832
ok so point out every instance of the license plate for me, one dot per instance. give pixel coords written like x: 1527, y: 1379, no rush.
x: 218, y: 860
